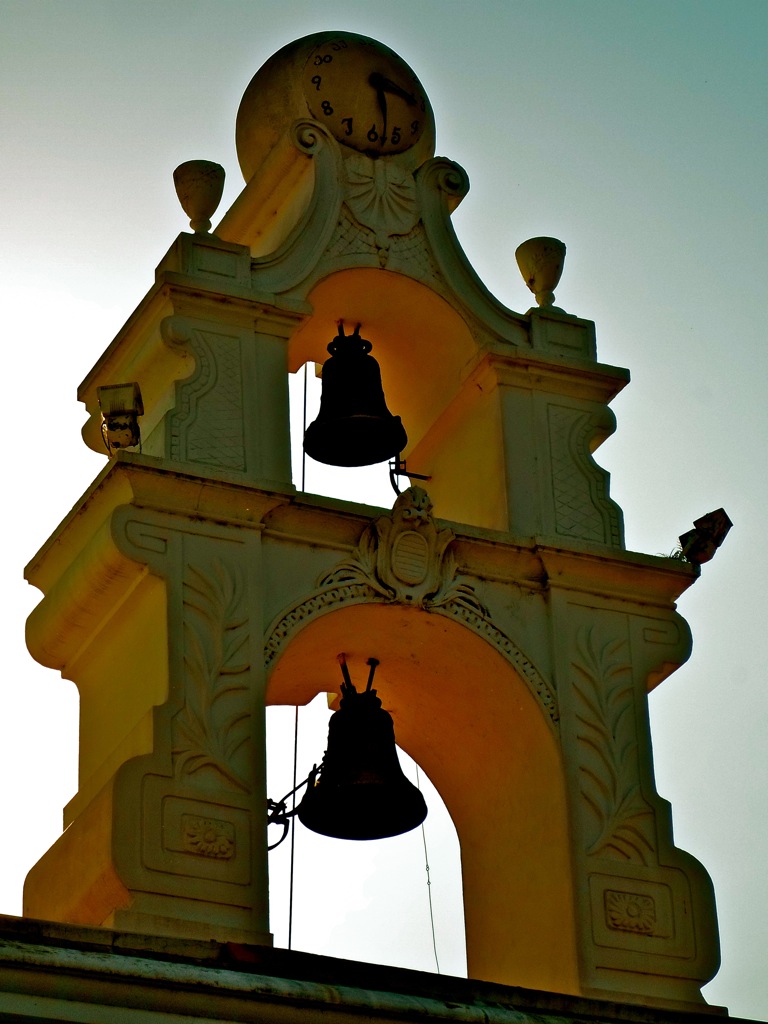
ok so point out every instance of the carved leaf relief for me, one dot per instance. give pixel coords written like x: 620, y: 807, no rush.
x: 608, y: 749
x: 213, y: 724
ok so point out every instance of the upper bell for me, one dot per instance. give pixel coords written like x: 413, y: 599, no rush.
x: 361, y: 792
x: 354, y: 426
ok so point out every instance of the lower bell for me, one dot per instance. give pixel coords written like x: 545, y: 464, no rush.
x: 361, y: 791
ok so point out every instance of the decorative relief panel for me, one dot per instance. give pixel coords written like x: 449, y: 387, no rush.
x: 404, y: 557
x: 186, y: 811
x: 405, y: 253
x: 420, y: 572
x: 583, y: 508
x: 206, y: 426
x: 411, y: 253
x: 188, y: 837
x: 351, y: 238
x: 622, y: 821
x: 212, y: 726
x: 638, y: 914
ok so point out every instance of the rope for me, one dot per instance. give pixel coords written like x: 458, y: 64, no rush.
x: 429, y: 883
x: 293, y: 823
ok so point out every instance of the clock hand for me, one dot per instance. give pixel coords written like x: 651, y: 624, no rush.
x: 383, y: 105
x: 382, y: 85
x: 375, y: 81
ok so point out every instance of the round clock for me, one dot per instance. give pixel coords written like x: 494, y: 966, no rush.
x: 365, y: 94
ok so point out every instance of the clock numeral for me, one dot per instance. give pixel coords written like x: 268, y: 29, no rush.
x: 316, y: 80
x: 395, y: 136
x: 414, y: 127
x: 326, y: 108
x: 373, y: 135
x: 326, y: 58
x: 340, y: 44
x: 348, y: 122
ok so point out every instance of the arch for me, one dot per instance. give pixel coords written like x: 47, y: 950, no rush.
x: 452, y: 693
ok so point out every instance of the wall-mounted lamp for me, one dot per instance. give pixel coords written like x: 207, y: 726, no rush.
x: 700, y: 544
x: 121, y: 406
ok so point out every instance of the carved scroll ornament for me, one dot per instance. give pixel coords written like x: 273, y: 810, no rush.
x: 404, y: 557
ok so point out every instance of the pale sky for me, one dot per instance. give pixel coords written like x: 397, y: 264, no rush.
x: 634, y: 130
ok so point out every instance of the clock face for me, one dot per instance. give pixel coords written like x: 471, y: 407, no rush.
x: 365, y: 94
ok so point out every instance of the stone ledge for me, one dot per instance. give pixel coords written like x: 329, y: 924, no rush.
x: 51, y: 972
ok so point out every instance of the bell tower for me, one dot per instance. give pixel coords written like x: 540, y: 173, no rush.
x: 517, y: 638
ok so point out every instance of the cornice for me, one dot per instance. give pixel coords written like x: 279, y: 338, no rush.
x: 84, y: 973
x: 84, y: 573
x: 580, y: 379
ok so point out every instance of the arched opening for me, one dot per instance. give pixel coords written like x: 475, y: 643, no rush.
x: 425, y: 350
x: 466, y: 716
x: 366, y: 901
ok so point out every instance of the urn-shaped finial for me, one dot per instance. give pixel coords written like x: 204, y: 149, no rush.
x: 199, y: 186
x: 541, y: 263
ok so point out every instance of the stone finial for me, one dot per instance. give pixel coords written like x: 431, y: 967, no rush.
x: 199, y: 186
x: 541, y: 263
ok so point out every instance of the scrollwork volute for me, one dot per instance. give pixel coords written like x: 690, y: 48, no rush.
x: 309, y: 136
x: 447, y: 177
